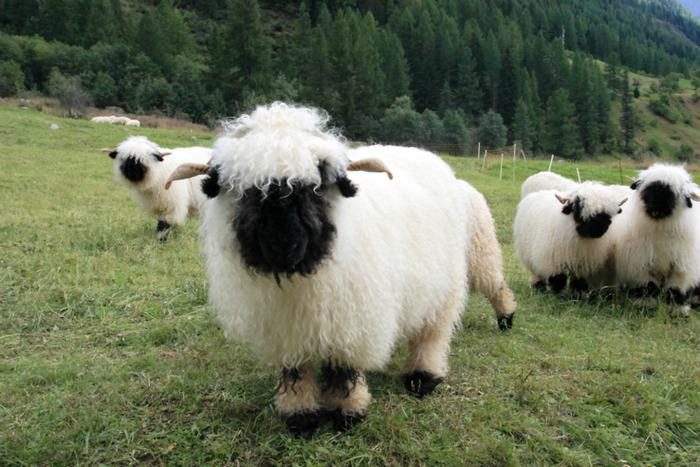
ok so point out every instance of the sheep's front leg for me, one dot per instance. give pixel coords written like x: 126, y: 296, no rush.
x: 297, y: 400
x: 678, y: 300
x: 427, y: 363
x: 162, y: 230
x: 345, y: 394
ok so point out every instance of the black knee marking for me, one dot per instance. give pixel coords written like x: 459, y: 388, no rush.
x: 162, y: 230
x: 345, y: 421
x: 337, y: 378
x: 421, y: 383
x: 674, y: 296
x: 578, y: 286
x: 540, y: 286
x: 557, y: 282
x: 505, y: 322
x: 303, y: 424
x: 651, y: 290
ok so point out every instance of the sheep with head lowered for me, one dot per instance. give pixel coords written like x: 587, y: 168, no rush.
x: 657, y: 242
x: 546, y: 181
x: 486, y: 260
x: 564, y: 234
x: 143, y: 168
x: 313, y: 260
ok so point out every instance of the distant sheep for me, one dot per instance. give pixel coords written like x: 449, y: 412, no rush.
x: 115, y: 120
x: 546, y: 181
x: 131, y: 122
x: 309, y: 259
x: 143, y: 168
x: 486, y: 259
x: 657, y: 241
x: 564, y: 234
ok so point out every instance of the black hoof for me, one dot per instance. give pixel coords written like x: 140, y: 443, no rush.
x: 345, y: 422
x: 557, y: 282
x: 303, y: 425
x: 540, y: 286
x: 421, y: 383
x: 505, y: 323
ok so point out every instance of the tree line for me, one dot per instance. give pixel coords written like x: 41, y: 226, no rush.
x: 421, y: 72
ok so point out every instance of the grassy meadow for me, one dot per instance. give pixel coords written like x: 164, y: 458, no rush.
x: 108, y: 353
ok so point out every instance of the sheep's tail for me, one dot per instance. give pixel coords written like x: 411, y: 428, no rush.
x: 486, y: 261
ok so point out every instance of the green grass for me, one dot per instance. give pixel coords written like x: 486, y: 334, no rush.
x: 108, y: 353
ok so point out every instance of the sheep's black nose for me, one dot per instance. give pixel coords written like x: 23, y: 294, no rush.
x: 595, y: 227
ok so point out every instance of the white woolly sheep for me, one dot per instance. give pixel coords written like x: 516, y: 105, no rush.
x: 546, y: 181
x: 131, y: 122
x: 101, y: 119
x: 486, y: 260
x: 657, y: 242
x: 553, y: 241
x: 143, y: 168
x: 312, y: 261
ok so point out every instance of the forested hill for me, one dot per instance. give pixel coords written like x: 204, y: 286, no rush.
x: 414, y: 71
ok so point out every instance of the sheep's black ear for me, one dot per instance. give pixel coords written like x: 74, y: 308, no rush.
x: 688, y: 201
x: 210, y: 183
x: 635, y: 184
x: 113, y: 154
x: 157, y: 156
x: 568, y: 208
x: 346, y: 187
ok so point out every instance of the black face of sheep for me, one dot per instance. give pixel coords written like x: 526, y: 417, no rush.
x: 594, y: 226
x: 659, y: 200
x: 132, y: 168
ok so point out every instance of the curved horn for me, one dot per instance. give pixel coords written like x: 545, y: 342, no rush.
x: 106, y: 150
x: 695, y: 196
x: 369, y: 165
x: 165, y: 153
x: 622, y: 202
x: 561, y: 199
x: 186, y: 171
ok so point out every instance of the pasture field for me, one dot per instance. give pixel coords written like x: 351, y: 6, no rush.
x: 108, y: 353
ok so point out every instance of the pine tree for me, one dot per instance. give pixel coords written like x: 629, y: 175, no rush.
x: 508, y: 88
x: 627, y: 117
x: 521, y: 126
x: 492, y: 131
x: 562, y: 137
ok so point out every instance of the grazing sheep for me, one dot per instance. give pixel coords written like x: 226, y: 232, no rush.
x: 143, y: 168
x: 546, y: 181
x: 101, y: 119
x: 656, y: 239
x: 486, y: 260
x: 311, y: 260
x: 131, y: 122
x: 554, y: 241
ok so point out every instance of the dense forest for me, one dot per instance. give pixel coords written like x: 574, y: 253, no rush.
x: 541, y: 73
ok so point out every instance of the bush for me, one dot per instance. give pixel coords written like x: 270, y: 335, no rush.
x: 11, y: 79
x: 456, y: 132
x: 685, y: 153
x: 69, y: 92
x: 104, y: 90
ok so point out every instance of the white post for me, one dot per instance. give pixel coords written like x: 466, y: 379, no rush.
x: 578, y: 174
x: 515, y: 152
x: 478, y: 151
x: 486, y: 154
x: 550, y: 163
x: 523, y: 153
x: 500, y: 174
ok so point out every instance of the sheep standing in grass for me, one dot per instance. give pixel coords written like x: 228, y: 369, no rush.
x: 564, y: 234
x: 311, y: 260
x: 486, y: 260
x: 546, y: 181
x: 657, y: 242
x: 143, y: 168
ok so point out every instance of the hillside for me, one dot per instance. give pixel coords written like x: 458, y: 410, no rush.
x: 437, y: 73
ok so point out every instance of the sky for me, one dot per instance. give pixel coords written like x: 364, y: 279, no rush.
x: 692, y: 6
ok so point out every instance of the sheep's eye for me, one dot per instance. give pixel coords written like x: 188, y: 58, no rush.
x: 619, y: 211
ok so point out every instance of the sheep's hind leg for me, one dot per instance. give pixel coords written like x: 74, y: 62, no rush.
x: 578, y: 286
x: 345, y: 395
x: 297, y: 400
x: 676, y: 298
x: 162, y: 230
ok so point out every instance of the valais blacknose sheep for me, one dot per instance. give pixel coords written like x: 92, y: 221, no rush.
x: 565, y: 234
x: 311, y: 260
x: 486, y: 259
x: 657, y: 239
x: 143, y: 168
